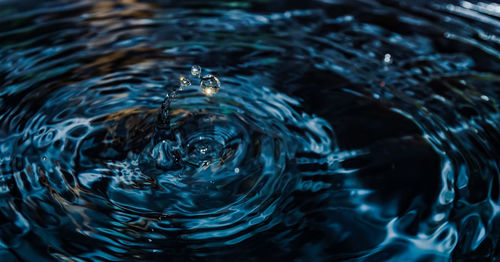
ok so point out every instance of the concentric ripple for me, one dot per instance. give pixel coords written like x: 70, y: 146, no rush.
x: 225, y: 166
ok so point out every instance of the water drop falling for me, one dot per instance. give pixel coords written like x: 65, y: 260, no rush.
x: 196, y: 70
x: 387, y: 59
x: 209, y: 85
x: 184, y: 81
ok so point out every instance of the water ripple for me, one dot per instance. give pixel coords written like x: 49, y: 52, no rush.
x: 341, y: 130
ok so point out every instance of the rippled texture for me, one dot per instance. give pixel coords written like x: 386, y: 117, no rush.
x: 343, y: 130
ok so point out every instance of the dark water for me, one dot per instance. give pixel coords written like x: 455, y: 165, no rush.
x: 343, y: 130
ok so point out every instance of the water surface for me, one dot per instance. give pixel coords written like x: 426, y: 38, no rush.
x: 342, y: 131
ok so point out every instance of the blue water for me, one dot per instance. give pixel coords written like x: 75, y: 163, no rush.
x: 341, y: 131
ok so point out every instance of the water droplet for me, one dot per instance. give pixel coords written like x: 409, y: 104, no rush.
x: 387, y: 59
x: 150, y: 240
x: 44, y: 158
x: 184, y: 81
x: 236, y: 170
x: 485, y: 98
x: 196, y: 70
x: 209, y: 85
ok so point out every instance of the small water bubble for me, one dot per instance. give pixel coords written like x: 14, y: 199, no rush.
x: 387, y: 59
x: 196, y: 70
x: 236, y: 170
x: 44, y: 158
x: 209, y: 85
x: 184, y: 81
x: 150, y: 240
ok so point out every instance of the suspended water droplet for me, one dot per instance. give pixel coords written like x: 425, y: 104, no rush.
x: 196, y: 70
x: 44, y: 158
x: 209, y: 85
x: 184, y: 81
x: 387, y: 59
